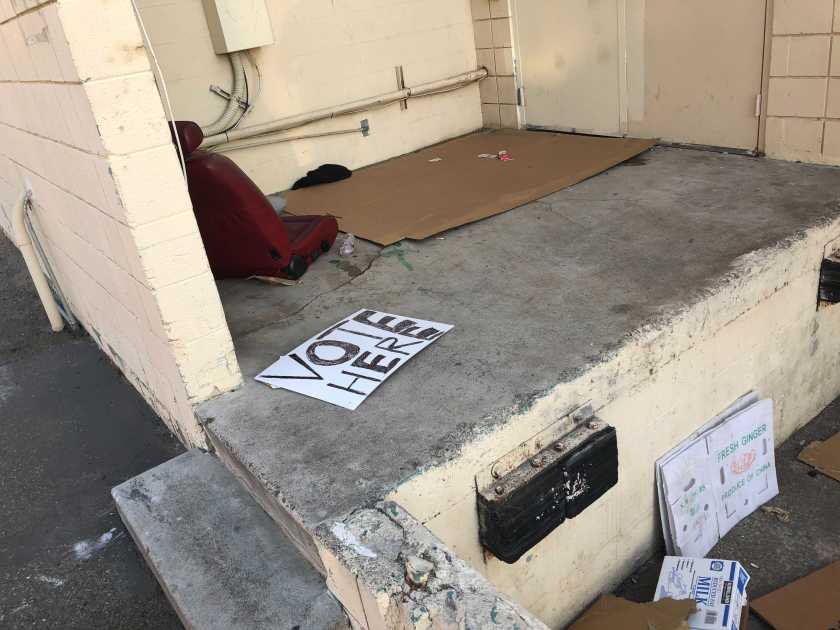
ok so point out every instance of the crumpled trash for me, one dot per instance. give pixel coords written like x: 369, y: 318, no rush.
x: 278, y: 202
x: 348, y: 246
x: 502, y: 155
x: 780, y: 513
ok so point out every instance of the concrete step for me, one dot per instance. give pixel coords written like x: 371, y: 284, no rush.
x: 222, y: 562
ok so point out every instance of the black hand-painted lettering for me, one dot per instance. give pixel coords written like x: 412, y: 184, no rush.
x: 339, y: 325
x: 350, y: 351
x: 349, y: 388
x: 404, y: 327
x: 391, y: 344
x: 428, y: 334
x: 297, y: 359
x: 376, y: 364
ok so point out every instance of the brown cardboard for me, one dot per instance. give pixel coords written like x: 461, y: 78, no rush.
x: 612, y: 613
x: 447, y: 185
x: 824, y: 456
x: 811, y: 603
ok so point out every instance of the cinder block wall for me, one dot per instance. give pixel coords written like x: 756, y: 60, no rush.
x: 494, y: 49
x: 803, y: 106
x: 81, y: 124
x: 327, y: 53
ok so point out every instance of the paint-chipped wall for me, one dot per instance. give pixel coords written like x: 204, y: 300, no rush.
x: 494, y: 49
x: 803, y: 99
x: 82, y: 125
x: 760, y: 329
x: 327, y: 53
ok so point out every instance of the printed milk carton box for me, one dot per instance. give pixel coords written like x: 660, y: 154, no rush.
x: 718, y: 587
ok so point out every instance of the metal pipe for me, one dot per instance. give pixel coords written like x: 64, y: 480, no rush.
x: 299, y: 120
x: 236, y: 93
x: 271, y: 139
x: 24, y: 244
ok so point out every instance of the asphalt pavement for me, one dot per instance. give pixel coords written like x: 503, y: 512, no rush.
x: 72, y: 427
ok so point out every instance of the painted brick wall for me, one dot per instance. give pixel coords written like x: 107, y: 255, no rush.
x: 493, y: 43
x: 81, y: 123
x: 327, y: 52
x: 803, y: 106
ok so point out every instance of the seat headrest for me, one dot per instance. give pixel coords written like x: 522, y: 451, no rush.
x: 189, y: 134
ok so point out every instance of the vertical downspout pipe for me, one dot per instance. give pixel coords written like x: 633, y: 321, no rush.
x: 24, y: 244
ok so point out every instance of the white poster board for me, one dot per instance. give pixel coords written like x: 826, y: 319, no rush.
x: 743, y: 464
x: 345, y: 363
x: 719, y: 475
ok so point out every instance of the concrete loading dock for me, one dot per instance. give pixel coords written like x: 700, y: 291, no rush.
x: 657, y: 292
x: 660, y: 291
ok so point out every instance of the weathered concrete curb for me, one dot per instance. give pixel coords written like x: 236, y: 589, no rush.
x: 220, y: 559
x: 390, y: 572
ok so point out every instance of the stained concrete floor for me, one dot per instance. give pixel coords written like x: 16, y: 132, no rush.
x: 537, y: 295
x: 776, y: 553
x: 72, y: 428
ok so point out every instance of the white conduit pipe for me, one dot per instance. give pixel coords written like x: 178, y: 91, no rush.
x: 237, y: 92
x: 284, y: 124
x: 270, y: 139
x: 24, y: 244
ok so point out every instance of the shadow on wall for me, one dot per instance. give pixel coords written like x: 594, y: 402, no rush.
x: 326, y: 53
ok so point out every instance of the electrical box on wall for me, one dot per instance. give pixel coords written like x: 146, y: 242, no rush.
x: 238, y: 24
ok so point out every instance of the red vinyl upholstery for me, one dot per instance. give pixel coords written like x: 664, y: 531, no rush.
x: 242, y: 234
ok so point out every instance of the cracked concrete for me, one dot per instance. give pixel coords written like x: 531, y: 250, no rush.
x: 451, y: 596
x: 220, y: 559
x: 251, y: 305
x: 537, y: 296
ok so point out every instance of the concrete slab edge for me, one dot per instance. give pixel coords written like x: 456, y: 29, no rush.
x: 390, y: 572
x: 144, y: 550
x: 271, y: 502
x: 363, y: 557
x: 753, y: 278
x: 217, y: 555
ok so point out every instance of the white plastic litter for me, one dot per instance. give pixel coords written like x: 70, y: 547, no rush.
x: 348, y: 246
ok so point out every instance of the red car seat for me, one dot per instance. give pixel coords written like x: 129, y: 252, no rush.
x: 242, y: 234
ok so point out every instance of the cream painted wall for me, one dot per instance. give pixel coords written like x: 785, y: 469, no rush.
x: 81, y: 123
x: 328, y: 52
x: 758, y: 330
x: 694, y: 70
x: 687, y: 72
x: 494, y: 47
x: 803, y: 100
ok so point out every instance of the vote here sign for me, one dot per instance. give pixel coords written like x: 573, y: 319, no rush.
x: 344, y: 364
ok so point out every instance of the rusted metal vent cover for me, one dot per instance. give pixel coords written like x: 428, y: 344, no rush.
x: 830, y: 281
x: 523, y: 506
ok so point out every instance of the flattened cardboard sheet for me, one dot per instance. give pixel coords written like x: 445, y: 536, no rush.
x: 612, y: 613
x: 441, y: 187
x: 824, y: 456
x: 811, y: 603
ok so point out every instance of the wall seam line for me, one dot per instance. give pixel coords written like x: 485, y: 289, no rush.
x: 34, y: 9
